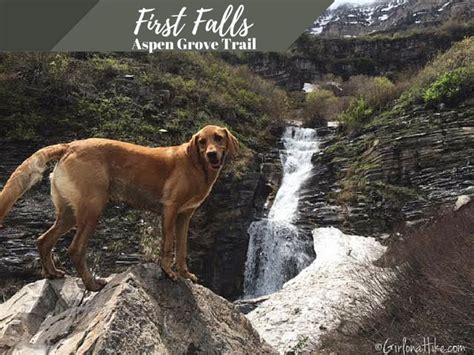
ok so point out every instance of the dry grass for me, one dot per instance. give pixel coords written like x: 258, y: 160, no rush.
x: 432, y: 295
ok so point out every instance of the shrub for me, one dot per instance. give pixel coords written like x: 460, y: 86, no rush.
x: 431, y: 296
x: 381, y: 92
x: 357, y: 115
x: 444, y: 74
x: 378, y: 91
x: 134, y: 97
x: 319, y: 106
x: 449, y: 88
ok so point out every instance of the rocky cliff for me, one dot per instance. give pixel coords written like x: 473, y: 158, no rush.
x: 389, y: 16
x: 139, y: 311
x: 311, y: 57
x: 395, y: 173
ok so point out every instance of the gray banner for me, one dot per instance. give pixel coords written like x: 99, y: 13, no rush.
x: 111, y: 25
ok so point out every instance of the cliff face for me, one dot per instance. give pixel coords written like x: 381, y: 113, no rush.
x: 218, y: 232
x: 398, y: 173
x: 311, y: 57
x: 389, y: 16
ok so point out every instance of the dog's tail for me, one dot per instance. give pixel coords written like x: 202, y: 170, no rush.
x: 26, y: 175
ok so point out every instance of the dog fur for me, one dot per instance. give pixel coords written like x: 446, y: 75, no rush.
x: 90, y: 173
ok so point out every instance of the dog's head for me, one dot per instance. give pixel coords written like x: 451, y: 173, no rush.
x: 211, y: 145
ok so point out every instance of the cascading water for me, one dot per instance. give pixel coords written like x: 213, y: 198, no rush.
x: 276, y: 251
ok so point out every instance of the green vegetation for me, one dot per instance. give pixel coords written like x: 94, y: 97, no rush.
x: 375, y: 101
x: 357, y: 115
x: 448, y: 88
x: 448, y: 79
x: 319, y: 106
x: 148, y: 99
x: 393, y: 109
x: 352, y: 102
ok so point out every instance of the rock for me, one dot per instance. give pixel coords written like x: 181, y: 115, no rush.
x: 218, y: 232
x: 248, y: 305
x: 139, y: 311
x: 461, y: 202
x: 165, y: 95
x: 330, y: 294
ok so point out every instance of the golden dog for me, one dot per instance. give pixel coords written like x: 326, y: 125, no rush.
x: 174, y: 180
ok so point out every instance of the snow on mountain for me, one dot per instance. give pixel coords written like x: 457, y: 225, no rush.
x: 344, y: 20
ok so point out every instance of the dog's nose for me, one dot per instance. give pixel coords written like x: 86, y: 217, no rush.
x: 212, y: 155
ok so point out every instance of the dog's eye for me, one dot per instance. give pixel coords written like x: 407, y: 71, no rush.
x: 202, y: 141
x: 217, y: 138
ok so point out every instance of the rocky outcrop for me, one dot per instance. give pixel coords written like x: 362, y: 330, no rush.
x: 139, y: 311
x: 331, y: 293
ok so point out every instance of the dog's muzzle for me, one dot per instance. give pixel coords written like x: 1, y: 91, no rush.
x: 214, y: 162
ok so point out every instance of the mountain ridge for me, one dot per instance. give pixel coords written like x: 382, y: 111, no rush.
x: 349, y: 20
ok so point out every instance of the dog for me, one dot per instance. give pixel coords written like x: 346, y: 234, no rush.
x: 92, y: 172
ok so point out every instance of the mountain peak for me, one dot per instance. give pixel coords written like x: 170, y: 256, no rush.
x: 345, y: 19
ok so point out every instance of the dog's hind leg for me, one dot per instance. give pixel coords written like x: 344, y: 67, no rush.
x: 65, y: 221
x: 87, y: 218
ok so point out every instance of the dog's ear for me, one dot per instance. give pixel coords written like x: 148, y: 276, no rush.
x: 192, y: 148
x: 232, y: 143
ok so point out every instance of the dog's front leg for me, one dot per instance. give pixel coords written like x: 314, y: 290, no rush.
x: 169, y: 235
x: 182, y: 226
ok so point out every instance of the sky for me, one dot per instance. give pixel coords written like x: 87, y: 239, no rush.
x: 357, y: 2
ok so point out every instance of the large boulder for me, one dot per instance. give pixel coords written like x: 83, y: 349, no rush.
x: 139, y: 311
x: 340, y: 286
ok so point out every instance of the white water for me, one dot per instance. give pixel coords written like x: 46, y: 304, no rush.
x: 276, y: 253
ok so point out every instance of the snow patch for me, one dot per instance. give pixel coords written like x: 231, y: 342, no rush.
x: 308, y: 87
x: 309, y: 305
x: 442, y: 8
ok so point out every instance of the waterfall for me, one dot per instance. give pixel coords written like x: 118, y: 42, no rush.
x: 276, y: 251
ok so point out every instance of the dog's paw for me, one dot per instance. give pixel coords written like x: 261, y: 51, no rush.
x: 54, y: 274
x: 188, y: 275
x: 170, y: 273
x: 58, y: 273
x: 95, y: 284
